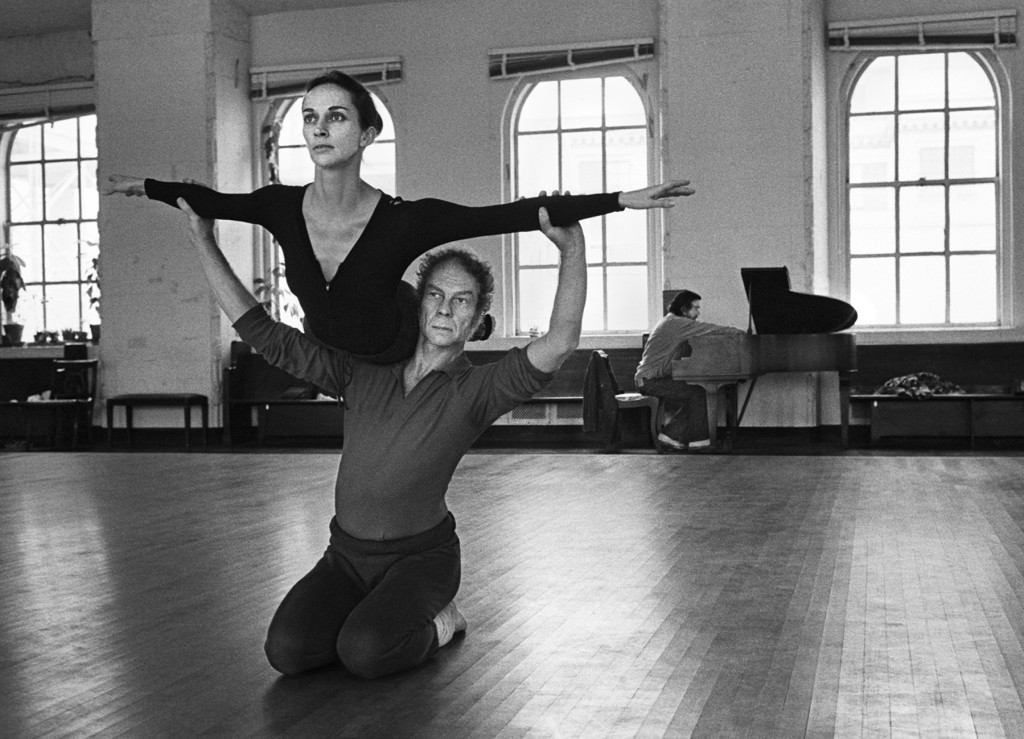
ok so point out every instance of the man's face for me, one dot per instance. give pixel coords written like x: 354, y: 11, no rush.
x: 693, y: 311
x: 448, y: 312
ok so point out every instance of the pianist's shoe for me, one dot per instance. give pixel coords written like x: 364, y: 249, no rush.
x: 670, y: 442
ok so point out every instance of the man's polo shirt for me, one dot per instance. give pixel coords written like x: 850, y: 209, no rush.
x: 400, y: 450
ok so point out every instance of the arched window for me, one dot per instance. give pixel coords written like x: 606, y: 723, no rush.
x: 585, y: 135
x: 924, y: 191
x: 51, y: 207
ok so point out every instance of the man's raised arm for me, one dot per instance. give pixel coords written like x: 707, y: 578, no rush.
x: 549, y: 351
x: 234, y: 297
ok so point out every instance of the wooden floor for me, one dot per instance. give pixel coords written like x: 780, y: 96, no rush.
x: 607, y: 595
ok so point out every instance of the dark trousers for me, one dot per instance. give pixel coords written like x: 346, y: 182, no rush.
x: 686, y: 407
x: 368, y: 604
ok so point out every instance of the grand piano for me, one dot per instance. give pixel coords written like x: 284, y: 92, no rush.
x: 795, y: 332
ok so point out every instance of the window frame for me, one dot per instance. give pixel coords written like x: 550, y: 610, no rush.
x: 639, y: 76
x: 853, y: 67
x: 86, y: 274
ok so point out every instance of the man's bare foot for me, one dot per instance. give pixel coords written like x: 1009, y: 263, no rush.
x: 449, y: 622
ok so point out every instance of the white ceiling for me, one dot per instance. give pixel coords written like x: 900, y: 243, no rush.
x: 34, y: 17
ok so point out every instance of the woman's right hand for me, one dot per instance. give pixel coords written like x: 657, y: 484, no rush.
x: 119, y: 184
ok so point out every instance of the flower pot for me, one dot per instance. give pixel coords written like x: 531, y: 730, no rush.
x: 12, y: 334
x: 95, y: 329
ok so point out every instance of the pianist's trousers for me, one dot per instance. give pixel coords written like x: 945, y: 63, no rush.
x: 686, y: 407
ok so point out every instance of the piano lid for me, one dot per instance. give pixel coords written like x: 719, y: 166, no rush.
x: 775, y: 309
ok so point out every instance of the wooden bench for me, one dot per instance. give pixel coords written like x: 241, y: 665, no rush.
x: 185, y: 401
x: 968, y: 415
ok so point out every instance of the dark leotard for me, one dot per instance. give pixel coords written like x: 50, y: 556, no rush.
x: 366, y: 308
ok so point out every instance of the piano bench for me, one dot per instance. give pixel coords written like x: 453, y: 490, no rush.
x: 967, y: 415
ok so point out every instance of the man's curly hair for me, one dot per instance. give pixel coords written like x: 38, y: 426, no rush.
x: 476, y: 267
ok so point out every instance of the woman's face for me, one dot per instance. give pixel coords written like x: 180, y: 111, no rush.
x: 331, y: 126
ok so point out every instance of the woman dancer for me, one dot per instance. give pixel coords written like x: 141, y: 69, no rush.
x: 346, y: 244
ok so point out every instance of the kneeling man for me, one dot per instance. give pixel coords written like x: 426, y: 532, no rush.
x: 381, y: 599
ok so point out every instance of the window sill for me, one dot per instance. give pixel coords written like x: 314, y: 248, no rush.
x: 40, y: 351
x: 992, y: 335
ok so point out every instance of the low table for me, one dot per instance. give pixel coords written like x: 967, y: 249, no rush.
x: 161, y: 400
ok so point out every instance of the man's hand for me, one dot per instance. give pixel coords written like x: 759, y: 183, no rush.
x: 564, y: 237
x: 200, y: 230
x: 658, y: 196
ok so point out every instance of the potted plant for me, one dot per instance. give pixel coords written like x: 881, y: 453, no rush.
x: 92, y: 275
x: 11, y: 285
x: 276, y: 298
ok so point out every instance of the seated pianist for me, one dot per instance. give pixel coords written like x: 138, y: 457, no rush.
x: 686, y: 415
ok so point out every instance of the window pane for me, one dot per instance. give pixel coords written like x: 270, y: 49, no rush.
x: 581, y: 162
x: 536, y: 297
x: 87, y: 136
x: 61, y: 252
x: 923, y: 219
x: 30, y: 310
x: 969, y: 86
x: 291, y: 126
x: 872, y: 220
x: 972, y: 144
x: 923, y: 290
x: 972, y: 217
x: 63, y: 306
x: 622, y: 104
x: 627, y: 298
x: 873, y: 290
x: 872, y: 148
x: 537, y: 165
x: 28, y: 145
x: 581, y: 103
x: 922, y: 81
x: 540, y: 109
x: 627, y: 236
x: 26, y: 192
x: 61, y: 191
x: 27, y: 242
x: 534, y: 248
x: 972, y: 288
x: 593, y: 234
x: 922, y: 146
x: 60, y: 140
x: 593, y: 311
x: 626, y: 150
x: 89, y: 247
x: 294, y: 166
x: 876, y: 89
x: 379, y: 166
x: 90, y: 197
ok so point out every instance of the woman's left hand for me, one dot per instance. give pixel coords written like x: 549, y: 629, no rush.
x: 658, y: 196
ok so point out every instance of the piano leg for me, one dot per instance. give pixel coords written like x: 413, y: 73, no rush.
x: 844, y: 408
x: 727, y: 389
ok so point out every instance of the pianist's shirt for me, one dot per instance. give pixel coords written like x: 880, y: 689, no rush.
x: 667, y: 339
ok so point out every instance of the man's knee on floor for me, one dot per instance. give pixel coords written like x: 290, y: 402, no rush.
x: 286, y: 654
x: 367, y: 652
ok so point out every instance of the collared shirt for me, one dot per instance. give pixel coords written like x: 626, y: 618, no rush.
x: 667, y: 338
x: 400, y: 450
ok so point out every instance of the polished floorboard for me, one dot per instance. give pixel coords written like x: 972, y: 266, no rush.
x: 607, y: 595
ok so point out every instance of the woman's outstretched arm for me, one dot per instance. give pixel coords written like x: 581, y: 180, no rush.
x: 205, y: 201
